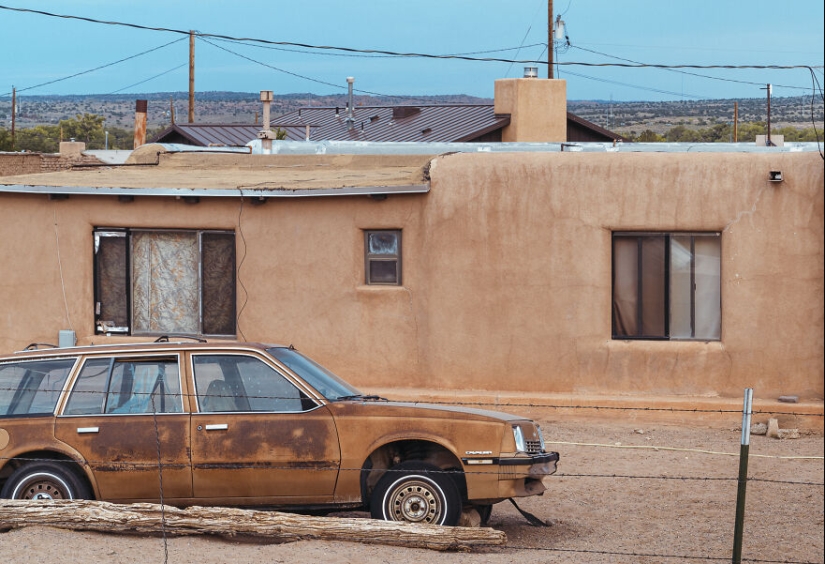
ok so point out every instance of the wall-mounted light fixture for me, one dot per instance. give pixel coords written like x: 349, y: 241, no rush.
x: 775, y: 176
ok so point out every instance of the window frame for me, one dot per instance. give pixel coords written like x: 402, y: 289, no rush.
x: 668, y: 299
x: 128, y: 288
x: 370, y: 257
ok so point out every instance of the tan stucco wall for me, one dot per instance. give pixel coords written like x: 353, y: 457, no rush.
x: 537, y: 108
x: 507, y: 273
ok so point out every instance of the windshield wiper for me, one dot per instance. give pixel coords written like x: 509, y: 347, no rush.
x: 361, y: 397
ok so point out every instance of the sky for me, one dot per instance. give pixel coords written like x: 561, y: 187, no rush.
x: 45, y: 55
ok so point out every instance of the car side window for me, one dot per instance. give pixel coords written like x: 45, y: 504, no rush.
x: 244, y: 383
x: 126, y: 386
x: 32, y: 387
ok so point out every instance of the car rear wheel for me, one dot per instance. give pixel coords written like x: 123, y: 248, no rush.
x: 416, y: 492
x: 44, y: 480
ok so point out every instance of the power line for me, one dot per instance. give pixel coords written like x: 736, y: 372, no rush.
x: 150, y: 78
x: 282, y: 70
x: 94, y: 69
x: 722, y: 79
x: 397, y: 53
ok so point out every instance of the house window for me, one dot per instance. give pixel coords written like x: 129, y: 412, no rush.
x: 164, y: 282
x: 383, y: 257
x: 667, y: 286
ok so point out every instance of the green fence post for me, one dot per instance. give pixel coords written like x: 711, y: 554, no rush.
x: 743, y: 477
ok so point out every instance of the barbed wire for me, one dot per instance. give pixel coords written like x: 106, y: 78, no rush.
x: 92, y: 464
x: 652, y: 555
x: 492, y: 403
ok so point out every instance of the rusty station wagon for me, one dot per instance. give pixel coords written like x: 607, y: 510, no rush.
x: 247, y: 424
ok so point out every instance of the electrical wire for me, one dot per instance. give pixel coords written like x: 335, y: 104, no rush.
x: 369, y: 56
x: 337, y: 86
x: 722, y: 79
x: 149, y: 79
x: 96, y: 68
x: 392, y: 53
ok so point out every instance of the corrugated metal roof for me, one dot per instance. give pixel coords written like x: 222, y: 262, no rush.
x: 424, y: 123
x: 206, y: 135
x: 436, y: 123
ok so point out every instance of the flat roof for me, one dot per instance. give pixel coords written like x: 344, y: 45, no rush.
x: 154, y: 172
x: 307, y: 169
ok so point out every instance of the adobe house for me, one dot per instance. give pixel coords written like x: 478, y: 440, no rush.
x: 635, y: 272
x: 525, y: 110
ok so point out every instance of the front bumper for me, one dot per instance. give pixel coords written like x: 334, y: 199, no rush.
x: 517, y: 476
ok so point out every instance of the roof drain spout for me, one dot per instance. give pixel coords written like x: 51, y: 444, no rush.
x: 350, y: 110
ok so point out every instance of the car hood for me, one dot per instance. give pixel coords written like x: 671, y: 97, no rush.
x: 414, y: 409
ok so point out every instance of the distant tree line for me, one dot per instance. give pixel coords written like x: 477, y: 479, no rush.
x: 87, y: 128
x: 723, y: 133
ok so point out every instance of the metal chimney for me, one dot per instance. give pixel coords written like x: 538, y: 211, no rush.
x: 350, y: 110
x: 265, y: 135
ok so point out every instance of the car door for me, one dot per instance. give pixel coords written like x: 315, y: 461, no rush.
x: 257, y: 437
x: 125, y: 417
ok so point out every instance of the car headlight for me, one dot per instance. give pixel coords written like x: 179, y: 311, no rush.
x: 518, y: 435
x: 541, y: 438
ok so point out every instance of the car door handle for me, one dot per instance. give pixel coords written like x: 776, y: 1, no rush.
x: 217, y: 427
x: 83, y: 430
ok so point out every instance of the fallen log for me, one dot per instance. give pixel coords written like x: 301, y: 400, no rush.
x: 226, y: 521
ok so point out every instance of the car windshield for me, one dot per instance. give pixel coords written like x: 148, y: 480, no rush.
x: 328, y: 384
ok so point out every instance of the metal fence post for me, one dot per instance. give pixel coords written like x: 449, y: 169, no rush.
x: 743, y: 477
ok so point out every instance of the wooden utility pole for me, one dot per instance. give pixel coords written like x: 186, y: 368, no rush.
x: 13, y: 112
x: 550, y: 35
x: 191, y: 76
x: 736, y: 122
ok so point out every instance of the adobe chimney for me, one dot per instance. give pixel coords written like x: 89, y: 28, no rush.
x: 140, y: 122
x: 537, y: 109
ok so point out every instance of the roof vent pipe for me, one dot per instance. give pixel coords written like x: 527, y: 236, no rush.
x: 265, y: 135
x: 531, y: 72
x: 350, y: 111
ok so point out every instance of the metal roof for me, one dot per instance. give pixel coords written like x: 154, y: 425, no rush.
x: 422, y: 123
x: 437, y: 123
x: 206, y: 135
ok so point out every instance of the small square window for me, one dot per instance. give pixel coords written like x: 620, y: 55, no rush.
x: 382, y: 253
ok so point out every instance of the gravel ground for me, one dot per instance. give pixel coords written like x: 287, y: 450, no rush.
x: 624, y: 493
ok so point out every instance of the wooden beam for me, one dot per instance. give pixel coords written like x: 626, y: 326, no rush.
x: 84, y: 515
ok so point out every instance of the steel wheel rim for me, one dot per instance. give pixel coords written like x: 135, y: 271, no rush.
x: 42, y: 487
x: 415, y: 501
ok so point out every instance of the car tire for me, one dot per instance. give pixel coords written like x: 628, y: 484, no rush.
x: 417, y: 492
x: 45, y: 480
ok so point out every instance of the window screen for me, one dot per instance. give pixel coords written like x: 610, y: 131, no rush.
x: 165, y: 282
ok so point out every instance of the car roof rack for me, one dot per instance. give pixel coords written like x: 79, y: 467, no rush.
x: 165, y: 338
x: 36, y: 346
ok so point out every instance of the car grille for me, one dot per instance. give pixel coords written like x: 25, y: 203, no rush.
x: 533, y: 447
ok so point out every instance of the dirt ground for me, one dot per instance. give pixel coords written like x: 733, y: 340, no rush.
x: 624, y: 493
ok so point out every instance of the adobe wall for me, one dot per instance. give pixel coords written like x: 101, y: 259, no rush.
x: 506, y: 266
x: 12, y: 164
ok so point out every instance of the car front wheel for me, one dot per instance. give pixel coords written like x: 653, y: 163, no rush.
x: 416, y: 492
x: 44, y: 480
